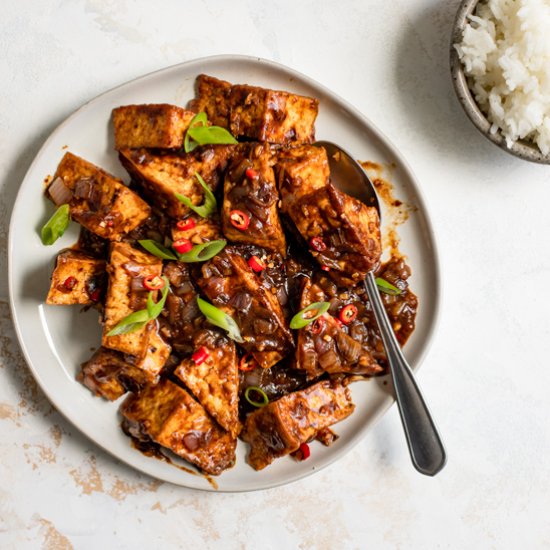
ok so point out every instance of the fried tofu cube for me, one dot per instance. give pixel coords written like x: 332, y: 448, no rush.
x: 215, y: 381
x: 325, y: 346
x: 250, y: 194
x: 280, y: 427
x: 231, y: 285
x: 100, y: 202
x: 300, y: 171
x: 107, y: 374
x: 155, y: 358
x: 75, y: 279
x: 201, y: 230
x: 159, y: 126
x: 161, y: 176
x: 271, y: 115
x: 212, y: 99
x: 169, y: 416
x: 126, y: 266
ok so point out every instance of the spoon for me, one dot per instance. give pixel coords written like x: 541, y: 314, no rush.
x: 425, y: 445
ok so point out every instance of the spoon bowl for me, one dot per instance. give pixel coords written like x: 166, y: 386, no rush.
x: 425, y: 445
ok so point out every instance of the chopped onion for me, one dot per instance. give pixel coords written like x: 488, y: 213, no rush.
x: 59, y: 192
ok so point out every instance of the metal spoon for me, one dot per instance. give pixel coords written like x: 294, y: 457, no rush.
x: 425, y: 445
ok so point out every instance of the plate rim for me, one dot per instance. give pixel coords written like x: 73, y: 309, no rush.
x: 437, y: 292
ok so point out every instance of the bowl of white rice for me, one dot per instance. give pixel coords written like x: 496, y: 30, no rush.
x: 500, y: 64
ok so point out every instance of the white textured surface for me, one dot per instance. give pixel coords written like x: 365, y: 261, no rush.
x: 487, y: 375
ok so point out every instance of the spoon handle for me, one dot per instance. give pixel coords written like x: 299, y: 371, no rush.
x: 425, y: 445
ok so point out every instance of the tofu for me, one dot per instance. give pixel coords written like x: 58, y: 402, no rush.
x: 212, y: 99
x: 205, y: 230
x: 230, y: 284
x: 161, y: 176
x: 155, y: 125
x: 155, y: 358
x: 300, y: 171
x: 349, y: 229
x: 215, y: 381
x: 169, y: 416
x: 280, y: 427
x: 107, y: 374
x: 255, y: 197
x: 271, y: 115
x: 325, y: 346
x: 75, y: 278
x: 126, y: 264
x: 101, y: 203
x: 257, y: 113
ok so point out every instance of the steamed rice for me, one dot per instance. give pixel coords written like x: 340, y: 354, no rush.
x: 505, y: 51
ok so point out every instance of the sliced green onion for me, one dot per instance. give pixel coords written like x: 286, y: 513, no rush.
x: 56, y: 225
x: 259, y: 391
x: 188, y: 143
x: 203, y: 252
x: 157, y: 249
x: 138, y: 319
x: 153, y: 309
x: 130, y: 323
x: 208, y: 207
x: 387, y: 288
x: 220, y: 319
x: 309, y: 314
x: 210, y: 135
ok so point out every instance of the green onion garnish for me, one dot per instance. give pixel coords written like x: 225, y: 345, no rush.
x: 199, y: 133
x: 56, y: 225
x: 208, y: 207
x: 387, y: 288
x: 138, y: 319
x: 260, y: 392
x: 309, y: 314
x: 203, y: 252
x: 220, y: 319
x: 157, y: 249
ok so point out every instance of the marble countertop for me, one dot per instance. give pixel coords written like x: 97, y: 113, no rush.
x: 486, y: 377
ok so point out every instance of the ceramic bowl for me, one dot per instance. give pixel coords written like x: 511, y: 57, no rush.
x: 522, y: 149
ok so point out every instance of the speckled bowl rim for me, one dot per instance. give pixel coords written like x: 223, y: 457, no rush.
x: 521, y: 148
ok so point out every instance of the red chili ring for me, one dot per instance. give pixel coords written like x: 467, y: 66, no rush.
x: 184, y: 225
x: 256, y: 264
x: 153, y: 282
x: 200, y: 356
x: 251, y: 173
x: 182, y: 246
x: 325, y: 268
x: 348, y: 314
x: 317, y: 326
x: 70, y: 282
x: 317, y: 244
x: 247, y: 363
x: 304, y: 449
x: 239, y: 219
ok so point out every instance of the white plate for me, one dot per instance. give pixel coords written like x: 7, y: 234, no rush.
x: 56, y: 340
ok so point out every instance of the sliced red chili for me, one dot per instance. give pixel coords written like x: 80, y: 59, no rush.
x: 256, y: 264
x: 348, y: 314
x: 317, y: 244
x: 247, y: 363
x: 95, y: 295
x: 239, y: 219
x: 153, y: 282
x: 70, y: 282
x: 304, y: 451
x: 110, y: 223
x: 317, y: 326
x: 182, y: 246
x: 184, y: 225
x: 325, y: 268
x: 251, y: 173
x: 200, y: 356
